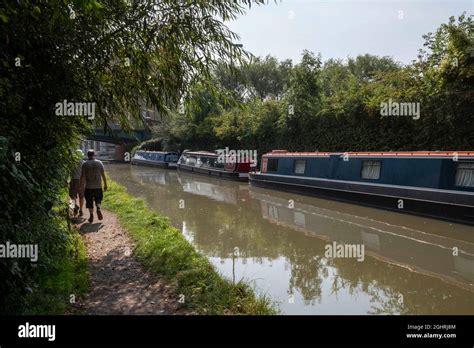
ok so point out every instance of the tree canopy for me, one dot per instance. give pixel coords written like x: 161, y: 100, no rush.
x: 335, y: 105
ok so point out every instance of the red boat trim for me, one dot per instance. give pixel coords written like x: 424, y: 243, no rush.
x: 280, y: 153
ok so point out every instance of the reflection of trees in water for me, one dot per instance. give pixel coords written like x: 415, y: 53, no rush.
x: 217, y: 228
x: 395, y: 290
x: 385, y: 301
x: 307, y: 275
x: 227, y: 226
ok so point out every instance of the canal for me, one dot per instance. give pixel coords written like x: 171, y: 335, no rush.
x: 277, y: 243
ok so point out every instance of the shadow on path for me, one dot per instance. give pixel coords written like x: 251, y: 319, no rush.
x: 86, y: 227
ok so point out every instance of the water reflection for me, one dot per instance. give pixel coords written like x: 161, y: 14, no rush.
x: 409, y: 265
x: 448, y: 258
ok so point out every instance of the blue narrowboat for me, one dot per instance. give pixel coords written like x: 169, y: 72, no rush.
x: 156, y: 159
x: 436, y: 184
x: 213, y: 164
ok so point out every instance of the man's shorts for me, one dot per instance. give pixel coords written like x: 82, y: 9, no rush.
x: 75, y: 190
x: 93, y: 195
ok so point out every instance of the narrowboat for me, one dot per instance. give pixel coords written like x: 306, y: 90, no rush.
x: 156, y: 159
x: 435, y: 184
x: 214, y: 164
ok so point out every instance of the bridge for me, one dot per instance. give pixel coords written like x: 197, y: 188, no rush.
x: 114, y: 143
x: 115, y: 135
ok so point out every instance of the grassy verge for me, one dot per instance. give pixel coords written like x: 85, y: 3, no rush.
x: 162, y: 248
x: 68, y: 275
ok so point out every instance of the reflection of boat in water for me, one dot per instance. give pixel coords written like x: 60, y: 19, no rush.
x: 419, y: 251
x: 213, y: 189
x: 217, y: 190
x: 160, y: 177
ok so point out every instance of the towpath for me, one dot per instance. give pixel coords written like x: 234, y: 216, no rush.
x: 119, y: 283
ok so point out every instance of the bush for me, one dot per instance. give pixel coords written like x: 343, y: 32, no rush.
x: 29, y: 217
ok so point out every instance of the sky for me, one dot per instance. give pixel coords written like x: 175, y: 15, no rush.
x: 343, y: 28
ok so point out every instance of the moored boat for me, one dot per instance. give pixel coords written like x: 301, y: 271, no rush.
x: 213, y: 164
x: 436, y: 184
x: 156, y: 159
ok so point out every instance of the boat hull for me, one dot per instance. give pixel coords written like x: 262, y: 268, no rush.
x: 157, y: 164
x: 441, y: 204
x: 236, y: 176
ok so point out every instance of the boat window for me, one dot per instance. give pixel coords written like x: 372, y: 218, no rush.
x: 371, y: 170
x: 190, y: 161
x: 272, y: 165
x: 171, y: 158
x: 465, y: 174
x: 208, y: 162
x: 219, y: 164
x: 299, y: 166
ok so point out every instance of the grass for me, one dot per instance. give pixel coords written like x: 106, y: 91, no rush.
x: 67, y: 276
x: 162, y: 248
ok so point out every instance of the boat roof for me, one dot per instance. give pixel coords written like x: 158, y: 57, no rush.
x: 284, y: 153
x: 201, y: 153
x: 157, y: 151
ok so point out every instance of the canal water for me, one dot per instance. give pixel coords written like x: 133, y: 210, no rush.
x: 277, y: 242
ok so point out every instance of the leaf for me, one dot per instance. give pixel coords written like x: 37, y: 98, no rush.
x: 4, y: 18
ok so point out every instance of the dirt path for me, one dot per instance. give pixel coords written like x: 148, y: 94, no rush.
x: 119, y: 284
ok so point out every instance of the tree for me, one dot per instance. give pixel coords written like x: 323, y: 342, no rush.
x: 267, y: 77
x: 366, y: 66
x: 302, y: 99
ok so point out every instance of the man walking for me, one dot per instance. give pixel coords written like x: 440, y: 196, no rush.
x: 92, y: 175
